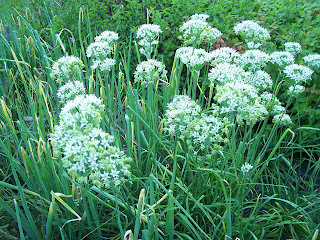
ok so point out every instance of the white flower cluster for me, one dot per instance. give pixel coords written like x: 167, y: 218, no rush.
x: 242, y: 101
x: 184, y: 119
x: 223, y: 55
x: 66, y: 68
x: 282, y: 119
x: 245, y: 168
x: 192, y: 57
x: 229, y: 73
x: 298, y: 73
x: 149, y: 72
x: 70, y: 90
x: 101, y: 50
x: 224, y: 73
x: 202, y: 17
x: 87, y: 150
x: 252, y: 32
x: 197, y: 30
x: 296, y: 90
x: 313, y: 60
x: 107, y: 36
x: 293, y: 47
x: 282, y: 58
x: 149, y: 34
x: 253, y: 60
x: 272, y: 104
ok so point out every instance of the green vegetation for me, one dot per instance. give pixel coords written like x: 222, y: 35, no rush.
x: 177, y: 189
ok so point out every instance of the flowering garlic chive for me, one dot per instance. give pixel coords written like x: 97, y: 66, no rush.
x: 202, y: 17
x: 149, y: 72
x: 240, y: 100
x: 107, y: 36
x: 253, y: 60
x: 293, y: 47
x: 296, y: 90
x: 261, y: 80
x: 227, y: 73
x: 149, y: 34
x: 66, y: 68
x: 299, y: 73
x: 282, y: 58
x: 313, y: 60
x: 246, y: 168
x: 197, y: 31
x: 185, y: 120
x: 282, y: 119
x: 104, y: 65
x: 99, y: 50
x: 252, y: 32
x: 223, y: 55
x: 82, y: 112
x: 70, y: 90
x: 192, y: 57
x: 272, y: 103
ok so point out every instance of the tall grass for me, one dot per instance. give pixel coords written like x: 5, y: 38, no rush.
x: 173, y: 193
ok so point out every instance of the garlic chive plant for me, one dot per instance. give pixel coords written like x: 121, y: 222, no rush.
x: 197, y: 30
x: 66, y: 69
x: 149, y: 36
x: 253, y: 33
x: 101, y: 51
x: 150, y: 72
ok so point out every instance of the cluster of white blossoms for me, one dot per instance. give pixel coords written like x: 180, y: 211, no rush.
x: 298, y: 73
x: 296, y: 90
x: 87, y: 151
x: 107, y: 36
x: 192, y: 57
x: 149, y: 35
x: 293, y: 47
x: 253, y: 60
x: 149, y: 72
x: 242, y: 101
x: 223, y: 55
x: 281, y: 58
x: 70, y: 90
x: 66, y: 68
x: 245, y: 168
x: 197, y: 30
x: 313, y: 60
x: 185, y: 119
x: 101, y: 50
x: 202, y: 17
x: 224, y: 73
x: 252, y: 32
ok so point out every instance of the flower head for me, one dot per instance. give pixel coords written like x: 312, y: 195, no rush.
x: 66, y: 68
x: 242, y: 101
x: 253, y: 60
x: 282, y: 58
x: 192, y: 57
x: 299, y: 73
x: 293, y: 47
x: 246, y: 168
x: 70, y: 90
x: 223, y: 55
x: 252, y: 32
x: 149, y: 72
x: 107, y: 36
x: 313, y: 60
x: 196, y: 31
x: 202, y: 17
x: 148, y: 35
x: 296, y: 90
